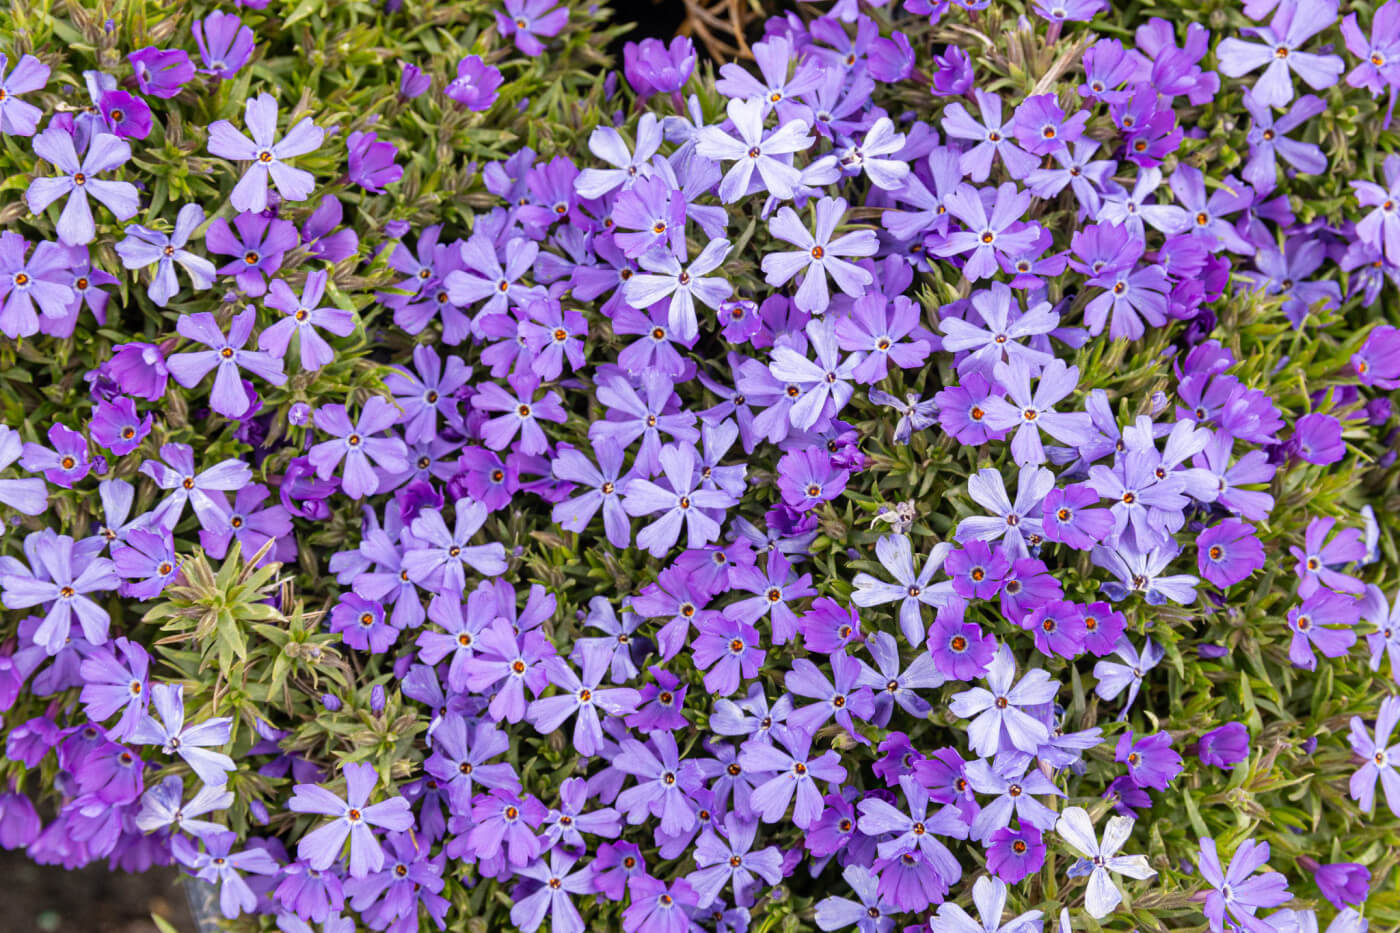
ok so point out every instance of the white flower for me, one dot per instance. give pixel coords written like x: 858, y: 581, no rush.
x: 1103, y: 895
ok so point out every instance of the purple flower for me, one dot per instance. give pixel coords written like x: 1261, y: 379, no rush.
x: 226, y: 355
x: 999, y: 720
x: 912, y: 588
x: 1267, y: 142
x: 126, y: 115
x: 1237, y: 890
x: 62, y: 574
x: 503, y: 824
x: 914, y: 831
x: 1378, y: 760
x: 991, y: 138
x: 581, y: 694
x: 604, y: 483
x: 1033, y: 413
x: 177, y: 474
x: 144, y: 247
x: 413, y: 83
x: 728, y: 650
x: 372, y: 162
x: 462, y: 765
x: 819, y: 255
x: 1013, y: 854
x: 1113, y: 677
x: 164, y: 806
x: 557, y: 878
x: 1041, y: 126
x: 1151, y: 760
x: 438, y: 560
x: 1224, y: 747
x: 111, y: 685
x: 987, y: 236
x: 509, y: 663
x: 520, y: 413
x: 476, y: 84
x: 219, y: 865
x: 77, y: 180
x: 161, y: 72
x: 190, y: 743
x: 770, y: 156
x: 727, y: 856
x: 653, y: 67
x: 1341, y: 883
x: 1015, y: 790
x: 1228, y: 552
x: 807, y: 478
x: 1012, y: 523
x: 146, y: 559
x: 960, y: 650
x: 352, y: 820
x: 357, y: 446
x: 843, y: 697
x: 1317, y: 560
x: 1318, y: 439
x: 302, y: 318
x: 224, y: 43
x: 655, y: 907
x: 361, y: 624
x: 824, y: 384
x: 1324, y: 622
x: 1294, y: 23
x: 683, y: 505
x: 525, y: 20
x: 42, y: 280
x: 663, y: 783
x: 18, y: 117
x: 1067, y: 516
x: 666, y: 277
x: 257, y: 248
x: 794, y: 775
x: 267, y: 154
x: 66, y: 463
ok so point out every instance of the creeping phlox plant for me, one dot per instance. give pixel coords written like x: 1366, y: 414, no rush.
x: 939, y: 475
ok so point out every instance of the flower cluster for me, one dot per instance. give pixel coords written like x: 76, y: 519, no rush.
x: 814, y: 494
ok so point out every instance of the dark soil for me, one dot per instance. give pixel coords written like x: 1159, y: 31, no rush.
x: 47, y: 899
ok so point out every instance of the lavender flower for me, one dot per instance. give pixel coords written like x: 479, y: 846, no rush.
x: 353, y: 819
x: 226, y: 356
x: 267, y: 154
x: 78, y: 181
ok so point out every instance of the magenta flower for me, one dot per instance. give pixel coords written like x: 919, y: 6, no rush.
x: 353, y: 820
x: 226, y: 357
x: 63, y: 465
x: 267, y: 154
x: 126, y: 115
x: 728, y: 651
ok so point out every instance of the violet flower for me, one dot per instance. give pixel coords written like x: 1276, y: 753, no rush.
x: 78, y: 180
x: 353, y: 819
x: 144, y: 247
x: 267, y: 154
x: 226, y: 356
